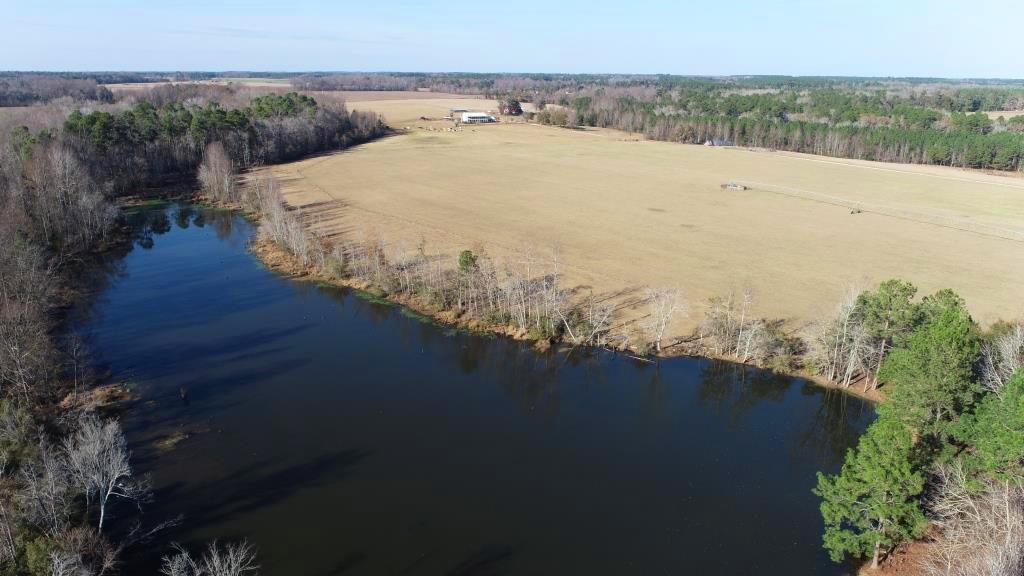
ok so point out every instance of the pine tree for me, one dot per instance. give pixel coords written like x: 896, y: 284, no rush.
x: 930, y: 380
x: 995, y: 432
x: 871, y: 505
x: 889, y: 315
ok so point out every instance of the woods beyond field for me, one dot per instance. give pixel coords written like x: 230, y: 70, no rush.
x: 625, y: 214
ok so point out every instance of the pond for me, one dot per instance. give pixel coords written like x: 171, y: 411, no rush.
x: 344, y: 436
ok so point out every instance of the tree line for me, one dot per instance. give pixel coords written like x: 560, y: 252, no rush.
x: 26, y: 89
x: 65, y: 471
x: 869, y: 93
x: 147, y: 144
x: 69, y: 495
x: 970, y: 140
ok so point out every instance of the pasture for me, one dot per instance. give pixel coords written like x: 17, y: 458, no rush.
x: 1005, y: 114
x: 625, y: 213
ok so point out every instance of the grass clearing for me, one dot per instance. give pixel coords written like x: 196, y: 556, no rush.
x: 625, y: 214
x: 1006, y: 114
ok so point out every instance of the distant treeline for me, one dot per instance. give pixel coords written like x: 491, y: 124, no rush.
x: 873, y: 126
x: 25, y: 89
x: 952, y: 95
x: 867, y: 94
x: 490, y: 85
x: 954, y: 147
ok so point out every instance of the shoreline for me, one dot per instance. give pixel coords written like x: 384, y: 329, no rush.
x: 283, y: 262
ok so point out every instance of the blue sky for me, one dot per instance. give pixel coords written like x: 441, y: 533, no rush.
x: 980, y: 38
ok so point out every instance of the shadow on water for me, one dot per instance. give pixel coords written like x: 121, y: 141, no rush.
x: 243, y: 492
x: 488, y: 561
x: 341, y: 436
x: 251, y: 488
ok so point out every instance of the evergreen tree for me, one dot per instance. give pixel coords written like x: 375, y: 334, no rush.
x: 995, y: 432
x: 889, y: 315
x: 871, y: 505
x: 510, y: 106
x: 930, y: 379
x: 467, y: 262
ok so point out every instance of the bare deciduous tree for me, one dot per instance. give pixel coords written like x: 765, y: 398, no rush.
x: 663, y: 303
x: 729, y: 329
x: 66, y: 205
x: 25, y: 349
x: 217, y: 174
x: 98, y: 458
x: 839, y: 347
x: 78, y: 360
x: 1002, y: 357
x: 46, y: 495
x: 982, y: 531
x: 235, y: 559
x: 64, y: 563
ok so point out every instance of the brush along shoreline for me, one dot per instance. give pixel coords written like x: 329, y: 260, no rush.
x: 283, y: 262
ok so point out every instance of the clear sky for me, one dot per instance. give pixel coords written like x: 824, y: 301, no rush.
x: 950, y: 38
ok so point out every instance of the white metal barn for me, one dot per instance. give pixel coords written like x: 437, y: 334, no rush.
x: 477, y: 118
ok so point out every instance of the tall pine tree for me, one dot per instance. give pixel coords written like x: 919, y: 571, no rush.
x: 930, y: 381
x: 871, y: 505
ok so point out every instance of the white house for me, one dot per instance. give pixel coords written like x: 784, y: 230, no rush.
x: 477, y: 118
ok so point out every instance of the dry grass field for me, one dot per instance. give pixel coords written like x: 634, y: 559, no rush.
x: 402, y: 109
x: 625, y: 214
x: 269, y: 83
x: 1007, y: 114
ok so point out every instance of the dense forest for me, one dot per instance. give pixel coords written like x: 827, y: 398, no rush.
x: 70, y: 499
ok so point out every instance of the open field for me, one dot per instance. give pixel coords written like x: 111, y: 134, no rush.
x: 628, y: 214
x: 1007, y: 114
x: 270, y: 83
x: 403, y: 108
x: 381, y: 95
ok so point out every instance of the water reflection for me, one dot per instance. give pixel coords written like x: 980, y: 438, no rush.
x: 734, y: 390
x: 343, y: 436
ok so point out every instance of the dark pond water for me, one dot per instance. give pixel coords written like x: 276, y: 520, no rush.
x: 341, y: 436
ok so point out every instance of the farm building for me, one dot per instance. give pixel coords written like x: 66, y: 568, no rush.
x: 477, y: 117
x: 717, y: 142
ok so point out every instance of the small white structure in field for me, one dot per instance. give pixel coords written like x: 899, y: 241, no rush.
x: 477, y: 118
